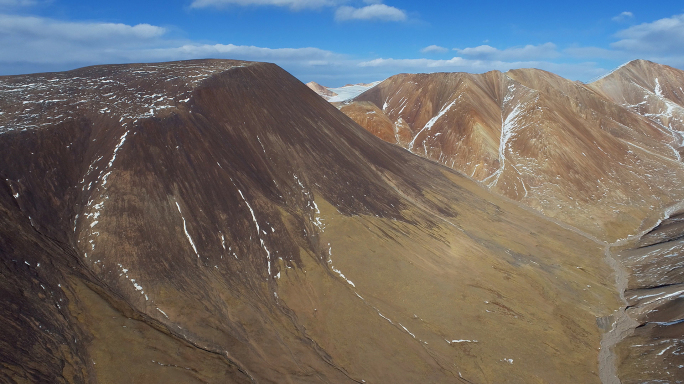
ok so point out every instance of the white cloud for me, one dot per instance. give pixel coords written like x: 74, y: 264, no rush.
x: 304, y: 56
x: 40, y: 44
x: 624, y: 16
x: 380, y: 12
x: 528, y: 52
x: 39, y: 41
x: 28, y: 28
x: 661, y: 36
x: 434, y: 49
x: 416, y: 63
x: 292, y: 4
x: 573, y: 71
x: 375, y: 10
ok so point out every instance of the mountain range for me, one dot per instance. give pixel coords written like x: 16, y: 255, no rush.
x: 603, y: 157
x: 217, y: 221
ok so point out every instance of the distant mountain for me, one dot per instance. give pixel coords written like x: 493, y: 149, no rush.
x: 603, y: 157
x: 321, y: 90
x: 344, y: 93
x: 216, y: 221
x: 651, y: 90
x: 558, y: 146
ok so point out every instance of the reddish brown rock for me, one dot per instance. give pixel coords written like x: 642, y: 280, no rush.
x: 558, y: 146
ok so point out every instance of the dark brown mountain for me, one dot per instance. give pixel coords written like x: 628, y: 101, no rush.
x: 217, y: 221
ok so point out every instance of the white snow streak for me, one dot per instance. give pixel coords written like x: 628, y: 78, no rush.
x: 185, y: 228
x: 658, y: 90
x: 116, y: 149
x: 430, y: 123
x: 163, y: 313
x: 507, y: 127
x: 407, y: 331
x: 258, y: 229
x: 337, y: 270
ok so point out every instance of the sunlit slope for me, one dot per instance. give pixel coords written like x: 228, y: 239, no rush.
x: 558, y: 146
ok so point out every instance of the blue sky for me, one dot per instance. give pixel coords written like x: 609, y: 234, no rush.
x: 335, y: 42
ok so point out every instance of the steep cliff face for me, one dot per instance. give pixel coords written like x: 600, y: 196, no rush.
x: 563, y: 148
x: 217, y: 221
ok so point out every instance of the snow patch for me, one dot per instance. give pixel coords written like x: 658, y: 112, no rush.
x: 258, y: 229
x: 658, y: 90
x: 185, y: 228
x: 430, y: 123
x: 163, y: 313
x: 350, y: 91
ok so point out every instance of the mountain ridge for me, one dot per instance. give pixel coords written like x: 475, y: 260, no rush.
x: 254, y: 233
x: 610, y: 151
x: 575, y: 110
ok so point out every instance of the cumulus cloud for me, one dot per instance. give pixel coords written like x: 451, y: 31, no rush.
x: 434, y: 49
x: 33, y: 28
x: 308, y: 56
x: 43, y: 40
x: 292, y: 4
x: 661, y: 36
x: 624, y: 16
x: 528, y: 52
x: 376, y: 11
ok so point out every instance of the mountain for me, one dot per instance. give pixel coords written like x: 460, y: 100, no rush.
x: 558, y: 146
x: 321, y: 90
x: 651, y: 90
x: 603, y: 157
x: 656, y: 283
x: 217, y: 221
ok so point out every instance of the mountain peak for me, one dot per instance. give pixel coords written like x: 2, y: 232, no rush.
x: 248, y: 230
x: 125, y: 92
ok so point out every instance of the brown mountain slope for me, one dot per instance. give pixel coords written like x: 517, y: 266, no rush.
x: 654, y: 290
x: 555, y: 145
x: 216, y: 221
